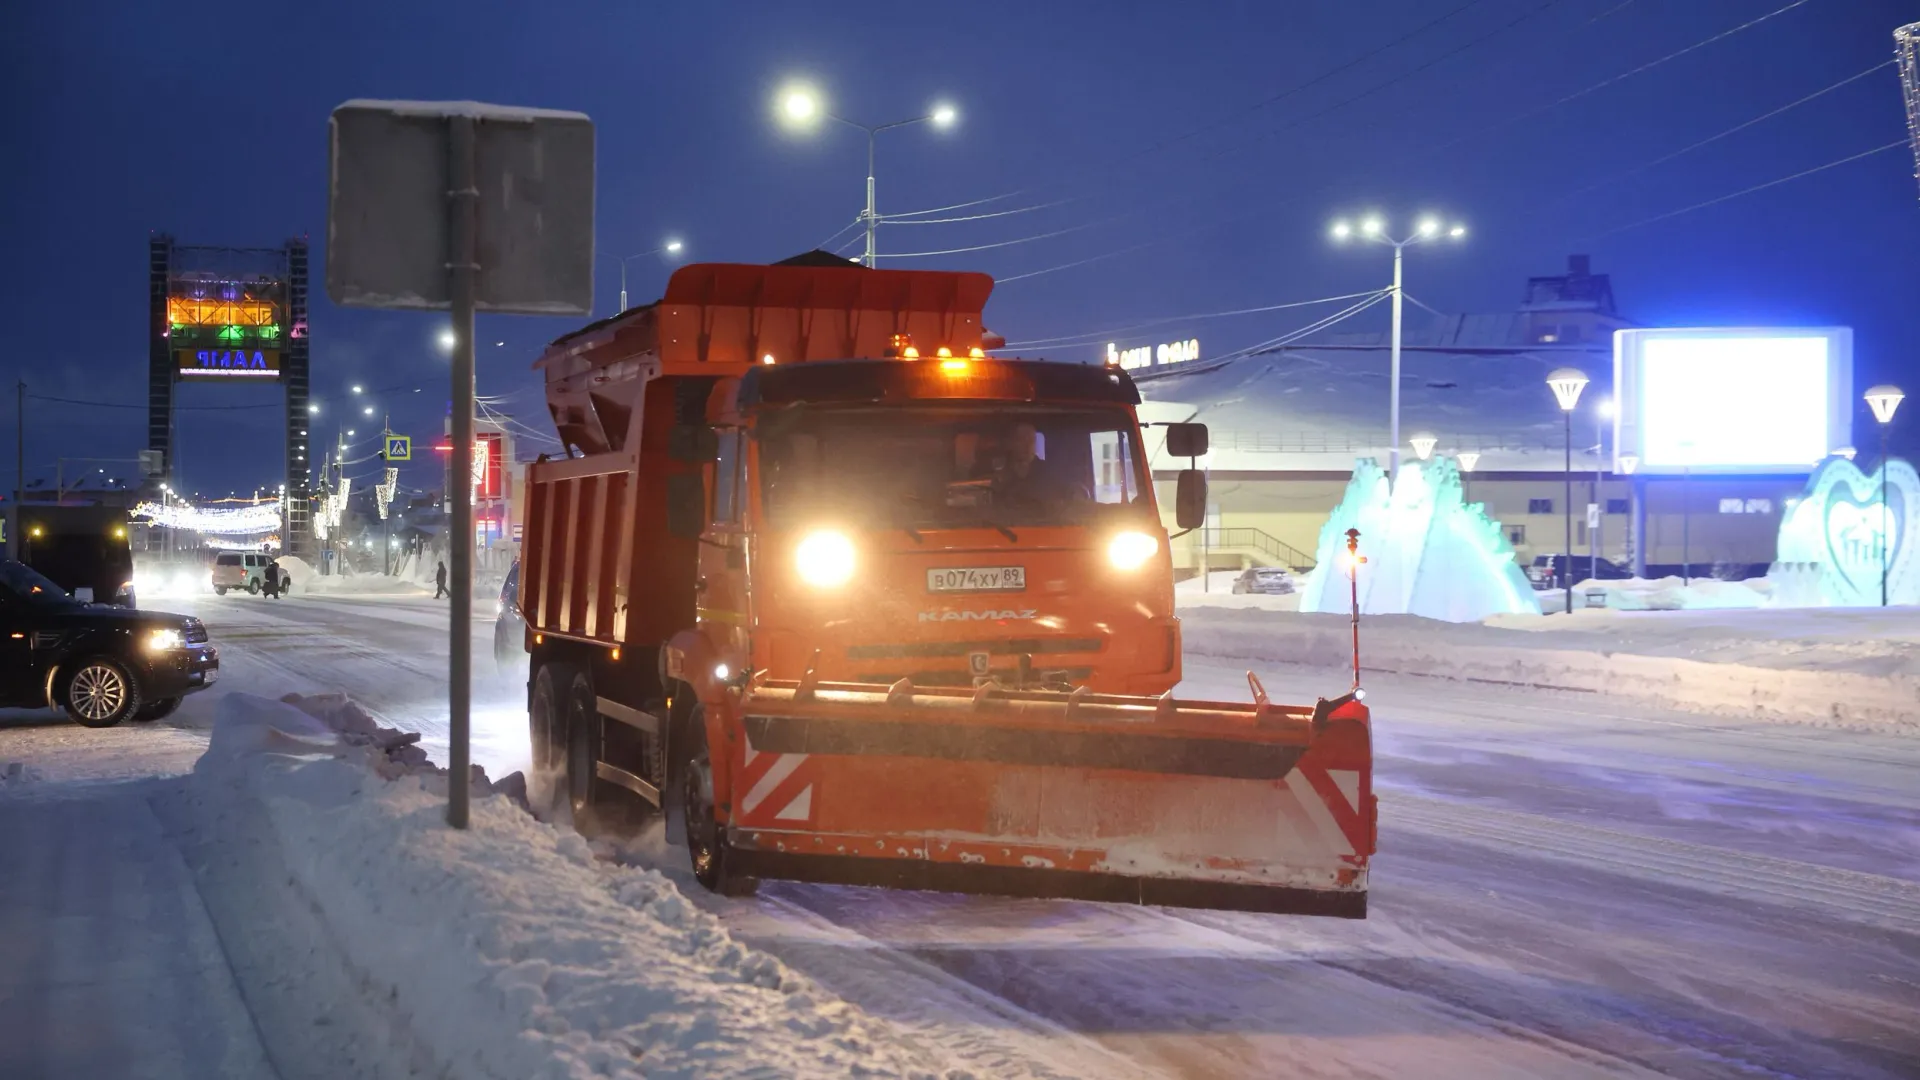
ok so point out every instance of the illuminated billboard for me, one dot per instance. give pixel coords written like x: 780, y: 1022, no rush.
x: 1732, y: 400
x: 228, y: 363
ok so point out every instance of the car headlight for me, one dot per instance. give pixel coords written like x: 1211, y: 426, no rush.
x: 824, y: 559
x: 166, y: 638
x: 1130, y: 550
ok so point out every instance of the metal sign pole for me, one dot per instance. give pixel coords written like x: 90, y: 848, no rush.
x: 463, y: 198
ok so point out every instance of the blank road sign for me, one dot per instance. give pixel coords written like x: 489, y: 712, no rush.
x: 387, y: 221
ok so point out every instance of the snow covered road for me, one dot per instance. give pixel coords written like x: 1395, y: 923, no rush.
x: 1567, y: 886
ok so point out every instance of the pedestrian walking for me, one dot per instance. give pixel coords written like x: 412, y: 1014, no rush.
x: 440, y: 582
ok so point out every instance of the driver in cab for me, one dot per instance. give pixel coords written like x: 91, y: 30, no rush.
x: 1023, y: 476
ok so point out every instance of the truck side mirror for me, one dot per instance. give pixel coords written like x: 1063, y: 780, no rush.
x: 686, y: 506
x: 1186, y: 440
x: 693, y: 443
x: 1190, y: 498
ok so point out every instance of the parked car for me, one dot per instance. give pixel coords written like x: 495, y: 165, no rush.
x: 245, y: 570
x: 83, y: 549
x: 509, y: 625
x: 1267, y: 580
x: 100, y: 663
x: 1549, y: 571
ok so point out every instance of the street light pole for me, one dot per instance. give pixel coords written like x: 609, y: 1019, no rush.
x: 1373, y: 229
x: 801, y: 106
x: 1566, y: 384
x: 671, y: 247
x: 1884, y: 400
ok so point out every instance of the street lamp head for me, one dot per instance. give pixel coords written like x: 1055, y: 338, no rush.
x: 943, y: 115
x: 448, y: 340
x: 1567, y: 383
x: 1342, y: 230
x: 1429, y: 227
x: 673, y: 247
x: 1884, y: 399
x: 799, y: 105
x: 314, y: 408
x: 1467, y: 459
x: 1423, y: 445
x: 1457, y: 231
x: 1628, y: 463
x: 1372, y: 226
x: 356, y: 388
x: 368, y: 411
x: 1605, y: 408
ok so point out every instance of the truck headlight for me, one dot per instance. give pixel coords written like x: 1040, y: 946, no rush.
x: 1129, y: 550
x: 824, y: 559
x: 166, y: 638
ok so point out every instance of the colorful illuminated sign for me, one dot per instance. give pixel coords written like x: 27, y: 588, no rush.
x: 1173, y: 352
x: 1838, y: 538
x: 227, y: 363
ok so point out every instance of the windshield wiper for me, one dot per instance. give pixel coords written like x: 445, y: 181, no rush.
x: 1012, y: 537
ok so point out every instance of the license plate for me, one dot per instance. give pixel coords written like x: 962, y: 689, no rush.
x: 977, y: 579
x: 210, y: 676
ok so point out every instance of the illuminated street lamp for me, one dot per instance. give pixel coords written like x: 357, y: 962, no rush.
x: 1845, y: 452
x: 671, y: 247
x: 1423, y: 445
x: 1566, y: 384
x: 801, y: 107
x: 1374, y: 229
x: 448, y: 340
x: 357, y: 388
x: 314, y: 409
x: 1884, y: 400
x: 1467, y: 459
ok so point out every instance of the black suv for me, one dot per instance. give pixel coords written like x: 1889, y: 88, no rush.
x: 101, y: 664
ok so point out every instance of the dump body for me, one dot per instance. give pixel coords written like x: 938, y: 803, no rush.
x: 882, y: 610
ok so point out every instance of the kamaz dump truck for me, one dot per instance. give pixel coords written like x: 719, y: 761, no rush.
x: 860, y: 604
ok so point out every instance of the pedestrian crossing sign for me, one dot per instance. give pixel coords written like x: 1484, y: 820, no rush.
x: 399, y: 448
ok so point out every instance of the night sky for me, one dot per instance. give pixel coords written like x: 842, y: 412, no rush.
x: 1187, y: 157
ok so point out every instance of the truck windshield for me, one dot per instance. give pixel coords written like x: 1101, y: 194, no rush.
x: 951, y: 466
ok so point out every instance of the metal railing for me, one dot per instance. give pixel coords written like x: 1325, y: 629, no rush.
x: 1258, y: 540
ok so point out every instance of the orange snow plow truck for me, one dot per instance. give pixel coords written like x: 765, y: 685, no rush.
x: 852, y: 602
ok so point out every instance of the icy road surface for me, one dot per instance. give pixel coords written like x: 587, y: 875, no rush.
x: 1566, y: 887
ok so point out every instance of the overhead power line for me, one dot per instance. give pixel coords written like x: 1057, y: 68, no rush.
x: 1748, y: 191
x: 1096, y: 335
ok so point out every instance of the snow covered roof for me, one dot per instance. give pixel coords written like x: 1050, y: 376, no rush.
x: 1319, y: 410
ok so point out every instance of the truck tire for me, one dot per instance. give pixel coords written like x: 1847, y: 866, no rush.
x: 546, y: 715
x: 219, y: 590
x: 706, y: 841
x: 586, y: 792
x: 99, y: 692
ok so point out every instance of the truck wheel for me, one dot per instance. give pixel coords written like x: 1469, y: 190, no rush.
x: 100, y: 693
x: 585, y: 790
x: 546, y: 716
x: 219, y: 590
x: 706, y: 841
x: 157, y: 710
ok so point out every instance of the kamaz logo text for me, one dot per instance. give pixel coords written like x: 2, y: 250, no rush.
x: 976, y: 616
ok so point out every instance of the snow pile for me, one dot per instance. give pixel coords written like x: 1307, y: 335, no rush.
x: 1669, y: 594
x: 1854, y: 669
x: 507, y: 949
x: 306, y: 579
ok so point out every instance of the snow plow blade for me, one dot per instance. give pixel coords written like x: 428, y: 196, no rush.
x: 1255, y: 807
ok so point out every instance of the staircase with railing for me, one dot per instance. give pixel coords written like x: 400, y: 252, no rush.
x: 1258, y: 541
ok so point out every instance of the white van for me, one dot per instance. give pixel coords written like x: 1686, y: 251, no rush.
x: 242, y: 570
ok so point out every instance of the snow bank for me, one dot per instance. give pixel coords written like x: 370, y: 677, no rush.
x: 1858, y: 668
x: 508, y: 950
x: 1217, y: 591
x: 306, y: 579
x: 1667, y: 594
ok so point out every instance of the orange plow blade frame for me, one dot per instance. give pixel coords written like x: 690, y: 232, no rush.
x: 1258, y: 807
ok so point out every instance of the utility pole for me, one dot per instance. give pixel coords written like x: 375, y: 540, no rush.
x: 20, y: 440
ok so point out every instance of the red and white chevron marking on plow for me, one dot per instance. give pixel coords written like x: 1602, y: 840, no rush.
x: 1330, y: 802
x: 779, y: 787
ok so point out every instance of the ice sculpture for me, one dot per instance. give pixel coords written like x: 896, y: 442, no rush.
x: 1427, y: 551
x: 1836, y: 539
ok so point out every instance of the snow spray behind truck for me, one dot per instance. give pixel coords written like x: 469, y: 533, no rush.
x: 866, y: 606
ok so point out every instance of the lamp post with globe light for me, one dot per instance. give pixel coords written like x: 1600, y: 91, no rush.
x: 1423, y: 444
x: 1566, y: 384
x: 801, y: 107
x: 671, y: 247
x: 1467, y: 459
x: 1373, y: 229
x: 1884, y: 400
